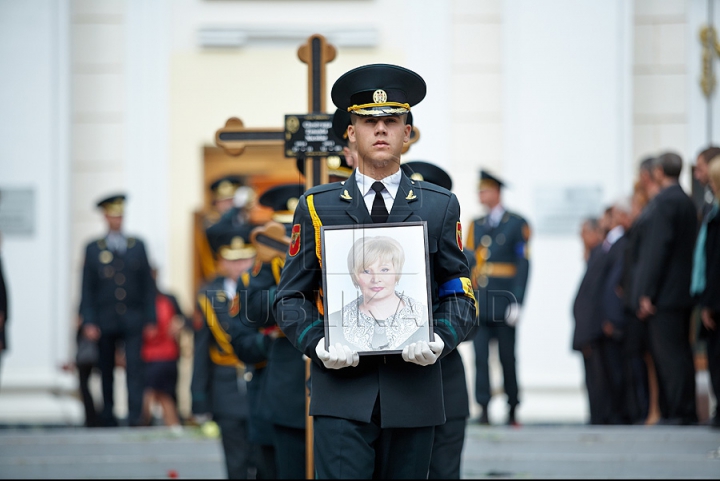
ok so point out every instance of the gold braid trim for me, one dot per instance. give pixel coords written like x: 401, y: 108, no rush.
x: 317, y: 224
x: 227, y: 357
x: 277, y: 263
x: 355, y: 108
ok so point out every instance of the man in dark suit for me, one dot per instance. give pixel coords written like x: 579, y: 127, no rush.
x: 449, y: 437
x: 375, y: 416
x: 500, y: 241
x: 118, y: 301
x: 218, y: 387
x: 662, y: 289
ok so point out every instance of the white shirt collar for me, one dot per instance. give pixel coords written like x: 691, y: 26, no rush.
x: 230, y: 286
x: 496, y: 214
x: 391, y: 183
x: 614, y: 234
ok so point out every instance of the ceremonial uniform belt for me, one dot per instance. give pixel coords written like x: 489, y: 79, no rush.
x: 498, y: 269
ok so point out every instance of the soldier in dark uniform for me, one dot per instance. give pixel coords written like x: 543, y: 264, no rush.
x: 283, y: 393
x: 500, y: 241
x: 375, y: 416
x: 223, y: 192
x: 118, y: 301
x: 218, y: 387
x: 449, y: 437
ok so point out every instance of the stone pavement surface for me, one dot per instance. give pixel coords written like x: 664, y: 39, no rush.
x: 532, y: 451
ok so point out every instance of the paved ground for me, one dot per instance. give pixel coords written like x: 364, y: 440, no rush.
x: 490, y: 452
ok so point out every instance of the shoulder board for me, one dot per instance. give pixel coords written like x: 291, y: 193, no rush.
x: 131, y: 241
x: 427, y: 186
x: 323, y: 188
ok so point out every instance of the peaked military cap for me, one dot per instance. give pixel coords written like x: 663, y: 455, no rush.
x: 113, y: 205
x: 378, y: 90
x: 282, y: 199
x: 230, y: 242
x: 340, y: 122
x: 489, y: 180
x: 225, y: 187
x: 420, y: 170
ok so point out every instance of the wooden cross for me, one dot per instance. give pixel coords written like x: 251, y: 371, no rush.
x: 234, y: 137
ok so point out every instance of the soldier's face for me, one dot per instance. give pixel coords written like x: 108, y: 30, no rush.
x: 114, y: 222
x: 234, y: 269
x: 489, y: 196
x: 379, y: 141
x: 224, y: 205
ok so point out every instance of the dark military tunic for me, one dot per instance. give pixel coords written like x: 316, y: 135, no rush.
x: 382, y: 392
x: 500, y: 277
x: 218, y: 386
x: 118, y: 296
x: 284, y: 389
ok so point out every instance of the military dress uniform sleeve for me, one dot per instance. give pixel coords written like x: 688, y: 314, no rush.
x: 90, y: 280
x: 260, y: 297
x: 250, y: 345
x: 295, y: 306
x: 522, y: 253
x: 202, y: 366
x: 454, y: 315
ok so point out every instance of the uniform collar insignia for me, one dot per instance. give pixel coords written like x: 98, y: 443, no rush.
x: 411, y: 196
x: 345, y: 195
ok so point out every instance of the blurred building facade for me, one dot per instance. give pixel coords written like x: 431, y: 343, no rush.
x: 561, y: 98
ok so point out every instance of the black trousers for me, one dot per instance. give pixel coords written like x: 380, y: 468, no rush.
x: 506, y: 349
x: 637, y: 391
x: 668, y: 332
x: 604, y: 378
x: 447, y: 450
x: 84, y: 372
x: 346, y: 449
x: 235, y: 446
x: 289, y: 452
x: 134, y: 372
x: 263, y: 457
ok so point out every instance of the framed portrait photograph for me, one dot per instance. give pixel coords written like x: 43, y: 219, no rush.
x: 376, y: 286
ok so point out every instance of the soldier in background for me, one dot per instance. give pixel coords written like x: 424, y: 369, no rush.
x: 223, y: 192
x: 118, y: 302
x: 449, y: 437
x: 284, y: 389
x: 500, y: 241
x: 218, y: 387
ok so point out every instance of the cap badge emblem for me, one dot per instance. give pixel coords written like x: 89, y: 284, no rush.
x: 379, y: 97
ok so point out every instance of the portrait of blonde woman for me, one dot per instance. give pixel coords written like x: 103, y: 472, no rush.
x: 382, y: 317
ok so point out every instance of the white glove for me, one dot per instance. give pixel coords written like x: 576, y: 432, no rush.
x: 512, y: 314
x: 423, y: 353
x: 337, y: 356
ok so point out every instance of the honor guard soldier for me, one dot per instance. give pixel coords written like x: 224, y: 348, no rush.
x: 500, y: 241
x: 449, y: 437
x: 118, y: 301
x: 375, y: 416
x: 218, y: 387
x: 223, y: 192
x: 283, y: 392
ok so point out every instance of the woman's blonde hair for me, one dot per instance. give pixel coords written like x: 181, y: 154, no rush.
x: 368, y: 250
x: 714, y: 174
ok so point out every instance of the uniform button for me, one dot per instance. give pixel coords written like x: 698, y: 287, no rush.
x: 120, y: 308
x: 108, y: 271
x: 120, y: 294
x: 482, y: 281
x: 119, y: 279
x: 501, y: 239
x: 248, y: 376
x: 486, y: 241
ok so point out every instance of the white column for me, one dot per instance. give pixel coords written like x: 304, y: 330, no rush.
x: 146, y: 126
x: 566, y: 114
x: 34, y: 155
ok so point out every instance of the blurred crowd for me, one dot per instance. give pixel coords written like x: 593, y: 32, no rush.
x: 647, y: 310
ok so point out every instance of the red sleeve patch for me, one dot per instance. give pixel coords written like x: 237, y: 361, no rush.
x: 295, y: 240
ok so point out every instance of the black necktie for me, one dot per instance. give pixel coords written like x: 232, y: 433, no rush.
x: 379, y: 212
